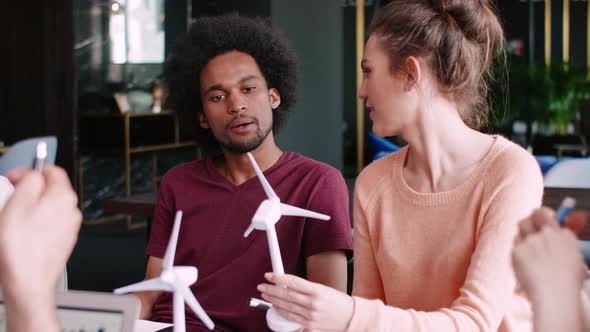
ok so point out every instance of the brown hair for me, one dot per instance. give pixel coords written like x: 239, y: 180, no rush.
x: 458, y: 38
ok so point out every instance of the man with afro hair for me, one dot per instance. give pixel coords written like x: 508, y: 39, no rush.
x: 235, y: 78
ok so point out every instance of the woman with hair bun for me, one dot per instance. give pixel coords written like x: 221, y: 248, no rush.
x: 434, y: 222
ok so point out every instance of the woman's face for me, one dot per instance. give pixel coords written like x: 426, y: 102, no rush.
x: 386, y: 91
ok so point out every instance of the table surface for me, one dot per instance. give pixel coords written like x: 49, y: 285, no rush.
x: 140, y: 205
x: 570, y: 146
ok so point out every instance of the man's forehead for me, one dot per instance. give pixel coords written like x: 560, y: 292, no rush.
x: 230, y: 68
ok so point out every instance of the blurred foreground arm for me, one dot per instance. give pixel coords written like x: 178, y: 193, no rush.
x: 550, y: 269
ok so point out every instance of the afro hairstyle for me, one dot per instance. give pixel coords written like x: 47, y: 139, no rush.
x: 209, y: 37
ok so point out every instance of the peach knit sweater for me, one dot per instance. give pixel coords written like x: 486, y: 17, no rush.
x: 442, y: 261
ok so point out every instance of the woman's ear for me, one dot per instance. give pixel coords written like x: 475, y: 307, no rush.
x: 413, y: 73
x: 275, y: 98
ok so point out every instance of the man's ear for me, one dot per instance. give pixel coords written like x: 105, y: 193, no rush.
x: 275, y: 98
x: 413, y: 71
x: 203, y: 122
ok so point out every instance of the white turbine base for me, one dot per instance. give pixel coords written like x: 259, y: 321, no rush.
x: 278, y: 323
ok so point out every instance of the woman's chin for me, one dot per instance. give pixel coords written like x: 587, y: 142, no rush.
x: 381, y: 132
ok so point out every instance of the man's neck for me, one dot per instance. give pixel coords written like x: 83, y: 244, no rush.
x: 236, y: 167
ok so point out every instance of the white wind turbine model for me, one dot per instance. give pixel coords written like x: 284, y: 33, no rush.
x: 267, y: 215
x: 176, y: 279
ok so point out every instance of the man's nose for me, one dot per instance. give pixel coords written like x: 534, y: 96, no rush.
x: 237, y: 103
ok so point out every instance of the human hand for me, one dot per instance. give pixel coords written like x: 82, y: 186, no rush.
x: 548, y: 264
x: 542, y: 217
x: 545, y: 217
x: 38, y: 229
x: 311, y: 305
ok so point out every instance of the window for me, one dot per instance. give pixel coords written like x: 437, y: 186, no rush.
x: 136, y: 31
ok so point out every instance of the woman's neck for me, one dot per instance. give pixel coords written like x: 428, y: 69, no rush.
x: 443, y: 150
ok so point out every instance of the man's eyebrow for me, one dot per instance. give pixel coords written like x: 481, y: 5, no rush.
x: 248, y: 78
x: 213, y: 88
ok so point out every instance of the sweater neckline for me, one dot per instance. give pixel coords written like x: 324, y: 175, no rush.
x: 443, y: 197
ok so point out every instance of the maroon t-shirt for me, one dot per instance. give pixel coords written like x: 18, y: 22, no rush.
x: 215, y: 215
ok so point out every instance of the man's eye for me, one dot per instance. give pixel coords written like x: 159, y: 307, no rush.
x: 249, y: 89
x: 217, y: 98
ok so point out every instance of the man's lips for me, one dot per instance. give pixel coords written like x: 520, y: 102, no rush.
x: 241, y: 122
x: 242, y: 125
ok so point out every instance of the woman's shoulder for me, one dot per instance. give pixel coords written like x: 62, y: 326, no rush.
x: 379, y: 173
x: 511, y: 156
x: 511, y: 161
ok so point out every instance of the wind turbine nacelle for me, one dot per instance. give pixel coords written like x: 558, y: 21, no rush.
x: 267, y: 214
x: 186, y: 274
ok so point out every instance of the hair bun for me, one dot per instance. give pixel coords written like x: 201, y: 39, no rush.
x: 470, y: 16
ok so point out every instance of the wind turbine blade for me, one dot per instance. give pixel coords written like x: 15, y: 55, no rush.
x: 192, y: 302
x: 270, y: 193
x: 248, y: 230
x: 290, y: 210
x: 146, y: 285
x: 168, y: 260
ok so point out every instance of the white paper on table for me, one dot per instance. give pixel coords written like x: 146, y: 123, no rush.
x: 149, y: 326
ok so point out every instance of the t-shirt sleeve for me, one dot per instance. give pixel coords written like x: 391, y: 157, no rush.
x: 330, y: 197
x: 162, y: 221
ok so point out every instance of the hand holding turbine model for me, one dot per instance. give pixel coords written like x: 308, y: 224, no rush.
x: 267, y: 215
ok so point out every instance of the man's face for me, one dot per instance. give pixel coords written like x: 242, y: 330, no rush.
x: 237, y: 104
